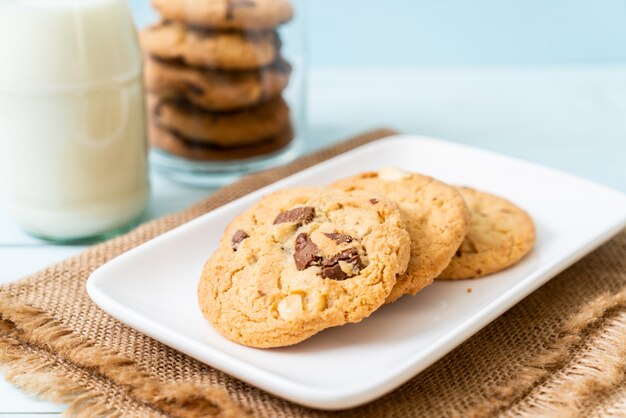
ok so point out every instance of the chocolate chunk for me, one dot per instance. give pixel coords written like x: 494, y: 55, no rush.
x: 238, y: 236
x: 374, y: 201
x: 334, y: 272
x: 194, y: 89
x: 231, y: 5
x: 331, y: 269
x: 339, y: 238
x: 351, y: 255
x: 306, y: 252
x: 301, y: 216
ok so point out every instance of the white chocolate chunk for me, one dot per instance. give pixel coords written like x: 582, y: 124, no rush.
x: 349, y: 268
x: 393, y: 174
x: 290, y: 307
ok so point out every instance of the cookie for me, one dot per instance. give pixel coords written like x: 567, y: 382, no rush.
x: 227, y: 14
x: 435, y: 214
x: 500, y: 235
x: 210, y: 49
x: 216, y: 90
x: 302, y: 260
x: 227, y: 129
x: 176, y: 144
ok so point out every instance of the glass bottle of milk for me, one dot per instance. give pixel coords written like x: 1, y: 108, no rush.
x: 72, y: 131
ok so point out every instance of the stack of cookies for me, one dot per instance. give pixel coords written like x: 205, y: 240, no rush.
x: 305, y: 259
x: 215, y: 77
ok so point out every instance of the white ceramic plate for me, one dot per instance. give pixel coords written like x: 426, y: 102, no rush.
x: 153, y: 287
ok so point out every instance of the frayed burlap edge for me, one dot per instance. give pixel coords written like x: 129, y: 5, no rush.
x: 49, y: 376
x: 23, y: 327
x: 181, y: 399
x: 598, y: 331
x: 589, y: 357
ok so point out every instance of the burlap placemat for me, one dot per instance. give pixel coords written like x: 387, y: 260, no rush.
x: 560, y: 352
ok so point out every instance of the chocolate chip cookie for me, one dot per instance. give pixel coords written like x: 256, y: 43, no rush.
x: 500, y: 235
x: 226, y: 129
x: 211, y: 49
x: 216, y: 90
x: 171, y: 141
x: 227, y: 14
x: 435, y: 214
x: 302, y: 260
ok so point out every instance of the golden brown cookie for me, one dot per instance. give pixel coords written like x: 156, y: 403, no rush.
x: 302, y: 260
x: 216, y: 90
x: 227, y: 14
x: 227, y: 129
x: 174, y: 143
x: 500, y: 235
x: 435, y: 214
x: 210, y: 49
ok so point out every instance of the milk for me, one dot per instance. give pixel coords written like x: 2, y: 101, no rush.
x: 72, y: 128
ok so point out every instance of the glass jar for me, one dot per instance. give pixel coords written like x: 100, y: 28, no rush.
x: 73, y: 157
x: 225, y: 86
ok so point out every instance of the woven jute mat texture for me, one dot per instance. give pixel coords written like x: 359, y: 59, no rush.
x: 560, y: 352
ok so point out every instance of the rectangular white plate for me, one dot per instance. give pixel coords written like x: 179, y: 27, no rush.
x: 153, y: 287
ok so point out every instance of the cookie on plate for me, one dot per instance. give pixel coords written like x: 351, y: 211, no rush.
x: 211, y: 49
x: 435, y: 215
x: 302, y: 260
x: 500, y: 235
x: 227, y: 129
x: 213, y: 89
x: 174, y: 143
x: 227, y: 14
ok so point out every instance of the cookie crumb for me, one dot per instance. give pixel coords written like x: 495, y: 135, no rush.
x: 469, y: 290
